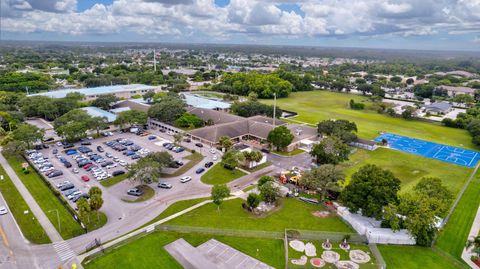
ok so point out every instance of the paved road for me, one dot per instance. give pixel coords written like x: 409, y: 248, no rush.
x: 301, y: 160
x: 122, y: 217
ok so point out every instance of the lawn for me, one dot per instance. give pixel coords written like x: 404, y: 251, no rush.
x: 316, y: 106
x: 176, y: 207
x: 148, y: 251
x: 292, y: 214
x: 194, y: 159
x: 288, y: 154
x: 409, y: 168
x: 113, y: 180
x: 454, y: 235
x: 31, y: 228
x: 411, y: 257
x: 148, y: 193
x: 218, y: 174
x: 47, y: 201
x: 259, y: 167
x: 94, y: 221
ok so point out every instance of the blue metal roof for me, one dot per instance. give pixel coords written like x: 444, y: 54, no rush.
x: 203, y: 102
x: 96, y: 91
x: 98, y: 112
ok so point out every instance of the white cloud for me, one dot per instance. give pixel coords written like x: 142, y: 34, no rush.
x: 250, y: 18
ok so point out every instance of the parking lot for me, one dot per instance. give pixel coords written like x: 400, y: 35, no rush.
x: 86, y: 163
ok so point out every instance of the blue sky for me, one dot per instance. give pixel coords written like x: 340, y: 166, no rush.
x: 408, y: 24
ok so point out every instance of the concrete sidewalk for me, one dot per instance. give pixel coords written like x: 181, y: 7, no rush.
x: 466, y: 254
x: 36, y: 210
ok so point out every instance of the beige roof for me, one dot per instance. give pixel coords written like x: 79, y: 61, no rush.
x: 217, y: 117
x: 457, y: 89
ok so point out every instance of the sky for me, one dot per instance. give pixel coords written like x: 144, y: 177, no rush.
x: 399, y: 24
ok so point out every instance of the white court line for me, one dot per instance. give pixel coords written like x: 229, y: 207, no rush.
x: 470, y: 163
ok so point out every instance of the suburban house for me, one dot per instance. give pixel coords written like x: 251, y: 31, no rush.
x: 453, y: 90
x: 438, y: 108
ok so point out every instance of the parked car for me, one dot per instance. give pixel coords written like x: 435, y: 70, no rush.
x: 200, y: 145
x: 82, y: 195
x: 186, y: 178
x: 118, y: 172
x: 67, y: 164
x: 55, y: 151
x: 108, y: 155
x: 73, y: 194
x: 152, y: 137
x: 70, y: 191
x: 187, y: 140
x: 265, y: 150
x: 212, y: 150
x: 100, y: 149
x: 3, y: 210
x: 135, y: 192
x: 214, y: 158
x: 85, y: 178
x: 75, y: 171
x: 59, y: 185
x: 56, y: 173
x: 200, y: 170
x: 67, y: 187
x: 68, y: 145
x: 208, y: 164
x: 110, y: 166
x: 179, y: 163
x: 164, y: 185
x: 85, y: 143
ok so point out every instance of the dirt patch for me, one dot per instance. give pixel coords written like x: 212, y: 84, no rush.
x: 321, y: 214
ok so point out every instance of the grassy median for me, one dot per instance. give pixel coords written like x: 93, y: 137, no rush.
x: 30, y: 227
x: 218, y: 174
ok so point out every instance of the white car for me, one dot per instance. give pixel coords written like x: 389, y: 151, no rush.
x: 59, y: 144
x: 111, y: 166
x: 214, y: 158
x: 71, y: 196
x: 59, y: 185
x: 3, y: 210
x: 116, y: 159
x: 122, y: 163
x: 212, y: 150
x: 75, y: 170
x: 185, y: 179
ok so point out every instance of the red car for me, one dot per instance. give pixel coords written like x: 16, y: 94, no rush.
x: 87, y: 166
x: 85, y: 178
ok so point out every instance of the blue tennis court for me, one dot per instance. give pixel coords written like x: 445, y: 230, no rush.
x: 464, y: 157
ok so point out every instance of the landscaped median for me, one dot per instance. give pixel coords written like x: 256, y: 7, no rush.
x: 49, y: 200
x: 193, y: 159
x: 30, y: 227
x: 289, y: 154
x: 218, y: 174
x: 113, y: 180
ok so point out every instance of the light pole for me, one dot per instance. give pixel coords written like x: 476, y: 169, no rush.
x: 58, y: 219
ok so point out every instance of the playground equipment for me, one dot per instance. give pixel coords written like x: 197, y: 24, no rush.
x: 292, y: 176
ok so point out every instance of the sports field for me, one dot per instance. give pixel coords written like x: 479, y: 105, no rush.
x: 316, y: 106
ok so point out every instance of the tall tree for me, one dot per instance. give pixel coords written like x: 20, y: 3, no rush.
x: 370, y: 189
x: 131, y: 117
x: 225, y: 142
x: 168, y: 109
x: 83, y: 208
x: 219, y: 193
x: 98, y: 123
x: 96, y: 200
x: 330, y: 150
x: 150, y: 167
x: 105, y: 101
x: 343, y: 129
x: 269, y: 192
x: 232, y: 158
x: 280, y: 137
x: 28, y: 133
x: 323, y: 178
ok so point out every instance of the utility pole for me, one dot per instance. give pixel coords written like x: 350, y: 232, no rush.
x: 26, y: 88
x: 274, y: 108
x: 154, y: 61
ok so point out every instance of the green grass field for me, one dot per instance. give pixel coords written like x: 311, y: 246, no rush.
x: 148, y: 251
x: 194, y: 159
x: 218, y: 174
x: 291, y: 153
x: 316, y: 106
x: 113, y: 180
x: 148, y: 193
x: 409, y: 168
x: 411, y: 257
x: 46, y: 200
x: 292, y: 214
x: 176, y: 207
x: 454, y: 235
x: 30, y: 227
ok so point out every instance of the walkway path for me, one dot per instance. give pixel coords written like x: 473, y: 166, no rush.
x: 36, y: 210
x: 466, y: 254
